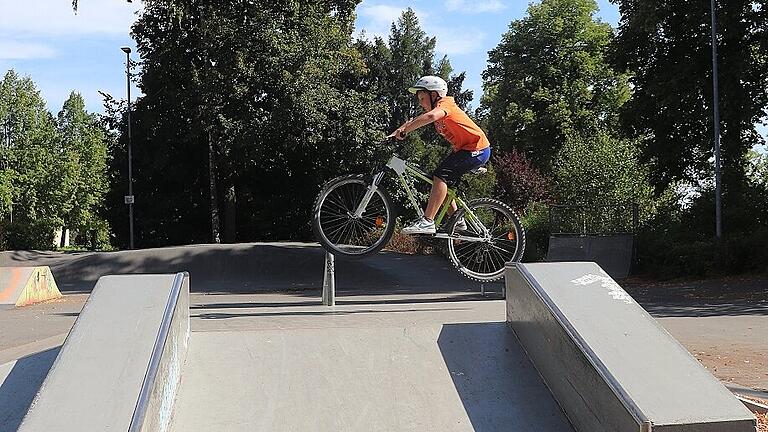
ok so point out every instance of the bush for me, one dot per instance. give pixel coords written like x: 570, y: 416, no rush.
x: 602, y: 169
x: 681, y: 241
x: 535, y: 221
x: 518, y: 182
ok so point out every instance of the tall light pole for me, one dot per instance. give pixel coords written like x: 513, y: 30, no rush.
x: 129, y: 198
x: 716, y: 109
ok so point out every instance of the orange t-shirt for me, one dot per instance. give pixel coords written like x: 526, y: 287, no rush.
x: 458, y: 128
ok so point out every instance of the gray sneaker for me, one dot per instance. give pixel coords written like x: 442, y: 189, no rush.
x: 421, y: 226
x: 461, y: 224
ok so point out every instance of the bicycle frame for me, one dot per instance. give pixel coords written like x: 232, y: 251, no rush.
x: 405, y: 169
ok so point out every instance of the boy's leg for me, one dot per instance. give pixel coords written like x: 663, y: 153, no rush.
x: 436, y: 197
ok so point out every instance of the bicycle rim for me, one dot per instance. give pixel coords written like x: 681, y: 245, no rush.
x: 484, y: 261
x: 341, y: 231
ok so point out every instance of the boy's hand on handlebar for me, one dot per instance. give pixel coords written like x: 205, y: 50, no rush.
x: 400, y: 132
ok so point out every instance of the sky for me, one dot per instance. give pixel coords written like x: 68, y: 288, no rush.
x: 63, y: 51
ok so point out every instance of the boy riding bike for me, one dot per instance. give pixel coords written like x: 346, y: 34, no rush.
x: 470, y: 146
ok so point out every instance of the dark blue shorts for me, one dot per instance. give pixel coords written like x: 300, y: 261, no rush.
x: 456, y: 164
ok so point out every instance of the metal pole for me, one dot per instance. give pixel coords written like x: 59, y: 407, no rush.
x: 329, y: 281
x: 130, y: 155
x: 716, y: 108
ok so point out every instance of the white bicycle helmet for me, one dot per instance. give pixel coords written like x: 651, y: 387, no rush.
x: 430, y: 83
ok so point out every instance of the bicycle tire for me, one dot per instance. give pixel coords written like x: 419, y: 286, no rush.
x: 324, y: 238
x: 496, y: 271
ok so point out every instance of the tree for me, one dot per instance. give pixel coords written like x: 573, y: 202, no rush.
x: 35, y: 175
x: 84, y: 145
x: 666, y: 45
x: 393, y: 66
x: 549, y: 79
x: 247, y: 96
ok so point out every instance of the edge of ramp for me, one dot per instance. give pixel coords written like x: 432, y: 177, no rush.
x: 120, y: 365
x: 158, y: 390
x: 608, y: 363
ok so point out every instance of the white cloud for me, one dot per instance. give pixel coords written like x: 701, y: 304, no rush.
x: 16, y: 50
x: 377, y: 19
x: 475, y: 6
x: 56, y: 17
x: 381, y: 14
x: 451, y: 42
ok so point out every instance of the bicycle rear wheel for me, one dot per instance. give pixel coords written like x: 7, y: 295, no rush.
x: 483, y: 260
x: 334, y: 222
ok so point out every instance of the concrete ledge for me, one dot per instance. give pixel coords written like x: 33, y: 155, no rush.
x: 22, y: 286
x: 120, y: 364
x: 608, y: 363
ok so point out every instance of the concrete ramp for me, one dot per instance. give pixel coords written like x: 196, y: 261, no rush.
x: 22, y: 286
x: 380, y: 367
x: 608, y: 363
x: 120, y: 365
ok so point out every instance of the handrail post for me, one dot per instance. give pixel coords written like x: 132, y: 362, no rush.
x: 329, y: 281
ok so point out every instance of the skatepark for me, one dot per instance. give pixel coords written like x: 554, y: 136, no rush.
x: 408, y: 345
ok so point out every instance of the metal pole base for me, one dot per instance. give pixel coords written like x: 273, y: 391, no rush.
x: 329, y: 281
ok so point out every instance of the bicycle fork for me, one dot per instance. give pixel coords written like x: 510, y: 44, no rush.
x: 368, y: 195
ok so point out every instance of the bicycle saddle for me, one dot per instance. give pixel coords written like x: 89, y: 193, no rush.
x: 479, y: 170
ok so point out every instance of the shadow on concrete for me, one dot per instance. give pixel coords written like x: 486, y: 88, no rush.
x: 498, y: 386
x: 253, y: 268
x: 20, y: 387
x: 224, y: 315
x: 692, y: 310
x: 344, y: 299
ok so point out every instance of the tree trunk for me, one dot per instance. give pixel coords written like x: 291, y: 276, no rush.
x: 230, y: 228
x: 215, y: 229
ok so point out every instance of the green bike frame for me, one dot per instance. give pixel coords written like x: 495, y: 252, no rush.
x: 403, y: 169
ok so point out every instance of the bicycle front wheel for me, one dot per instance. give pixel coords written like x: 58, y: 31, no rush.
x: 336, y: 225
x: 485, y: 247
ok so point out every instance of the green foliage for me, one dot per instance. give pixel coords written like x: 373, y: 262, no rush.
x: 84, y: 145
x: 52, y: 174
x: 262, y: 88
x: 677, y: 241
x: 535, y: 220
x: 666, y: 45
x: 757, y: 168
x: 549, y: 78
x: 600, y: 169
x: 33, y: 170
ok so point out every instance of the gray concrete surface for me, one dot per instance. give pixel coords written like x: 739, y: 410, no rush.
x: 448, y: 366
x: 609, y: 364
x: 19, y: 382
x: 388, y: 291
x: 95, y: 381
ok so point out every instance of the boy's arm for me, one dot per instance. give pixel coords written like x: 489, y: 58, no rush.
x: 420, y: 121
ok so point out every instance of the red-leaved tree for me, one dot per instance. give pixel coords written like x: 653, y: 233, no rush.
x: 518, y: 181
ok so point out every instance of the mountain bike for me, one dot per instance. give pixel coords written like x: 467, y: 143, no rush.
x: 355, y: 217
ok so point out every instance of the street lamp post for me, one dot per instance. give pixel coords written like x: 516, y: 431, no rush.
x: 129, y: 198
x: 716, y: 109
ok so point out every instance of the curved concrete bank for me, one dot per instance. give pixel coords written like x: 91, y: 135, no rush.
x: 608, y: 363
x: 120, y: 364
x: 22, y: 286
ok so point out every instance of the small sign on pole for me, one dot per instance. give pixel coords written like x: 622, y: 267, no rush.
x: 129, y: 199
